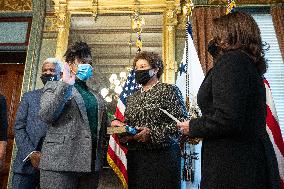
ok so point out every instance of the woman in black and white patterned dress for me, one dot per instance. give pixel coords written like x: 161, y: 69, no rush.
x: 153, y: 160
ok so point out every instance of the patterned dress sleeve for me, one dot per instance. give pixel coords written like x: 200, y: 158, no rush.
x: 165, y: 127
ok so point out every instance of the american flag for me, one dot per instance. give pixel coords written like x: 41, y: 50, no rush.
x: 274, y: 132
x: 116, y: 154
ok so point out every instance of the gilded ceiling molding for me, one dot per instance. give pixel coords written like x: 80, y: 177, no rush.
x: 128, y: 6
x: 16, y: 5
x: 119, y: 6
x: 95, y: 8
x: 116, y: 31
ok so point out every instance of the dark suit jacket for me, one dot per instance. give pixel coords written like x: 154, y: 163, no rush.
x: 236, y: 151
x: 29, y: 131
x: 3, y: 119
x: 68, y: 145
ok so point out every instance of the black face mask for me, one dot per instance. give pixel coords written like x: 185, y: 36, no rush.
x: 213, y: 49
x: 142, y: 76
x: 48, y: 77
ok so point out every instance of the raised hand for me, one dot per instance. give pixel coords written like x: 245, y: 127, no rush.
x: 68, y: 76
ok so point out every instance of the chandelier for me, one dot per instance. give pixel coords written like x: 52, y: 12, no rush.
x: 115, y: 87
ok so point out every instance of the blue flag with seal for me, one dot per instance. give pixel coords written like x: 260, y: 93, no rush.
x: 189, y: 79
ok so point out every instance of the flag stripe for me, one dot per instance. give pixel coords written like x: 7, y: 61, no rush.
x: 118, y: 163
x: 118, y: 115
x: 113, y: 142
x: 274, y: 131
x: 117, y: 171
x: 116, y: 154
x: 121, y: 106
x: 269, y: 100
x: 266, y: 82
x: 279, y: 158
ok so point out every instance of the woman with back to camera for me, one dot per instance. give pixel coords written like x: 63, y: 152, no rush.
x: 237, y: 152
x: 153, y: 160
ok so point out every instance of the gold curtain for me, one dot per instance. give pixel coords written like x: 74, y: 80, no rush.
x: 277, y: 12
x: 202, y: 18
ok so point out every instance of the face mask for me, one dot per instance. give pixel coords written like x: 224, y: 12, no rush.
x: 143, y: 76
x: 84, y: 72
x: 48, y: 77
x: 213, y: 49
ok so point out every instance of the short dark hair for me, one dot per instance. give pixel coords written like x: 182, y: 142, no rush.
x: 79, y: 50
x: 238, y: 30
x: 153, y: 59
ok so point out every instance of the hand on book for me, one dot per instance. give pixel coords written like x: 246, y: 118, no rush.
x: 116, y: 123
x: 143, y: 135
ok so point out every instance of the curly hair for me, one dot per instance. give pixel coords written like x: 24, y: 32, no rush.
x: 153, y: 59
x: 79, y: 50
x: 239, y: 30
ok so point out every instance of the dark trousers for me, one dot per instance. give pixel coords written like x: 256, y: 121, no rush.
x: 25, y: 181
x: 68, y: 180
x: 154, y: 169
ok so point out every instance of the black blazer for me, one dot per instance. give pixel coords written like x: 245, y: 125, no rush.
x: 3, y: 119
x: 237, y: 152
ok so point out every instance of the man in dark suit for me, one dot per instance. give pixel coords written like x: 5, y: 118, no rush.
x: 3, y: 130
x: 30, y: 131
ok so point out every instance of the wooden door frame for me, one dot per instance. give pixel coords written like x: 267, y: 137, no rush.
x: 14, y: 73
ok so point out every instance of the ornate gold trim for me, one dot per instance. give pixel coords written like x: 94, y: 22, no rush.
x: 16, y: 5
x: 121, y: 6
x: 51, y: 24
x: 63, y: 26
x: 169, y: 25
